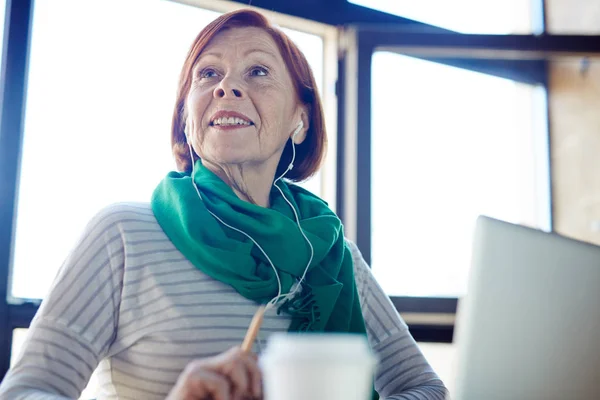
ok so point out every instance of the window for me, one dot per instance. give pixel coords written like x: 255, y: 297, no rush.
x: 465, y: 16
x: 18, y: 337
x: 448, y: 144
x: 440, y: 135
x: 98, y: 118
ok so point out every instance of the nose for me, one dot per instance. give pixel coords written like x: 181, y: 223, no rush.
x: 228, y: 88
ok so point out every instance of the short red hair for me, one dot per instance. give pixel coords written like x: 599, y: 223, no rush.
x: 310, y: 153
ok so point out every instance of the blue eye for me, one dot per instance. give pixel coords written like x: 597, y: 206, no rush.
x: 207, y: 73
x: 258, y: 71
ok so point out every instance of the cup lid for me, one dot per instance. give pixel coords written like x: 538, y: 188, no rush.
x: 333, y: 346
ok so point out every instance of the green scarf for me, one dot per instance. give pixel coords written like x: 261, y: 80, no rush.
x: 329, y: 299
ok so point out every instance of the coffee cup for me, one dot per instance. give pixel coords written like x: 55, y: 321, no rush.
x: 318, y: 366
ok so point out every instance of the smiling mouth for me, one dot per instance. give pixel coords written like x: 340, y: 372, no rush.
x: 230, y: 121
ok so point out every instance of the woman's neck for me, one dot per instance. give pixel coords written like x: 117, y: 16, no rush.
x: 247, y: 183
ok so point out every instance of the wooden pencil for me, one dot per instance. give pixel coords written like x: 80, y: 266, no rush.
x: 253, y: 329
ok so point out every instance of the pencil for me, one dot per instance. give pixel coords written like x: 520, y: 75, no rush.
x: 253, y: 329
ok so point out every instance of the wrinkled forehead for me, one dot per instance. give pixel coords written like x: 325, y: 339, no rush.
x: 242, y: 41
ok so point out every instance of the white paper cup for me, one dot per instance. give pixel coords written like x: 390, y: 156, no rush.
x: 318, y: 367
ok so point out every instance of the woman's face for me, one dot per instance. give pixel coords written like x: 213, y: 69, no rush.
x: 242, y: 106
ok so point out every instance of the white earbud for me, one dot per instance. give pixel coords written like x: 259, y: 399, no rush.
x: 298, y: 129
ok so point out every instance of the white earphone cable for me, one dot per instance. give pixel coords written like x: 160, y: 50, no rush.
x: 298, y: 284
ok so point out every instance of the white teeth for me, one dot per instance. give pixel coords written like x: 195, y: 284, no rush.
x: 230, y: 121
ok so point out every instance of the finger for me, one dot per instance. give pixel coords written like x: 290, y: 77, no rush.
x: 253, y: 373
x: 208, y: 384
x: 235, y: 370
x: 220, y: 359
x: 241, y: 368
x: 238, y: 376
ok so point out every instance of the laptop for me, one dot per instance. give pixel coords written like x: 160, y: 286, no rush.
x: 529, y: 326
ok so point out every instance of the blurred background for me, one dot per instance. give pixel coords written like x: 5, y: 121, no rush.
x: 437, y: 111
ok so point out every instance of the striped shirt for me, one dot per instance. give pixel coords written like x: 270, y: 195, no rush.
x: 127, y: 303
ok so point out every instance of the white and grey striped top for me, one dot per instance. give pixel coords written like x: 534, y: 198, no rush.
x: 127, y: 302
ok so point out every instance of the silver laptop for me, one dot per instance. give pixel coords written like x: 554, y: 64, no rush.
x: 529, y: 326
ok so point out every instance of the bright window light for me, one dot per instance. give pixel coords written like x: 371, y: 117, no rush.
x: 448, y: 144
x: 97, y: 126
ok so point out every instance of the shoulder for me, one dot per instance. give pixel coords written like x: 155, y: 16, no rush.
x: 361, y: 269
x: 357, y: 256
x: 124, y: 212
x: 353, y: 249
x: 118, y: 217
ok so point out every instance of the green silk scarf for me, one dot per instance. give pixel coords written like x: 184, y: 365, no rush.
x: 328, y: 300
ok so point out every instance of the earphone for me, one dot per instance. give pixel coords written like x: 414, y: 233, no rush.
x: 297, y: 286
x: 296, y: 131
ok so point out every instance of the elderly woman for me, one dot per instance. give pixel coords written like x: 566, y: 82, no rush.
x: 158, y: 296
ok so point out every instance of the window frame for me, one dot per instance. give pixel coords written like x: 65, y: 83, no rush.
x: 522, y: 58
x: 13, y: 89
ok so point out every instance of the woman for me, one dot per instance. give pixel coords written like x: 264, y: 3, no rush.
x: 158, y: 296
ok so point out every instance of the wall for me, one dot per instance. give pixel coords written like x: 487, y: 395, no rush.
x: 574, y: 102
x: 575, y: 129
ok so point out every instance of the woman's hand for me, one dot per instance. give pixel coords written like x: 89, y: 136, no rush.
x: 233, y: 375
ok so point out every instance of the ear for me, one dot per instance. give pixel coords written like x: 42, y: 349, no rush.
x: 303, y: 116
